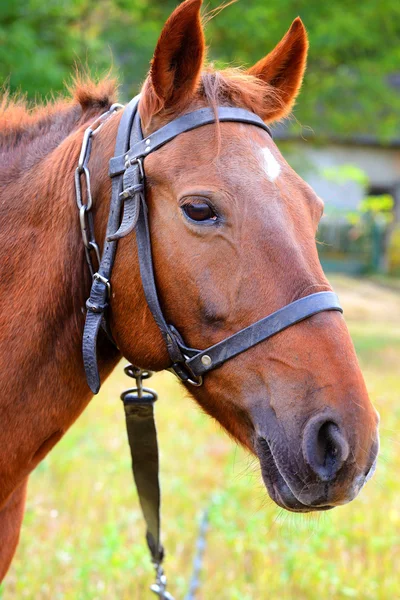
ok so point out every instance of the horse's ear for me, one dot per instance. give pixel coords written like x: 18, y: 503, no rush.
x: 177, y: 62
x: 283, y: 70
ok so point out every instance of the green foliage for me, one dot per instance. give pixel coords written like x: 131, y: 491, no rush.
x: 382, y: 204
x: 354, y: 49
x: 40, y: 42
x: 393, y: 252
x: 344, y: 173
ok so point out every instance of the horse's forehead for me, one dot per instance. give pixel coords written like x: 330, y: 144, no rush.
x: 252, y: 147
x: 271, y: 164
x: 215, y: 142
x: 237, y: 155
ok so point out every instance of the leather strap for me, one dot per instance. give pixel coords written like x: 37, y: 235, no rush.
x: 129, y: 197
x: 143, y: 242
x: 206, y: 360
x: 204, y: 116
x: 142, y: 437
x: 98, y: 300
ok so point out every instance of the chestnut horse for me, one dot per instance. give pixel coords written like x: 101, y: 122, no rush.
x: 233, y: 235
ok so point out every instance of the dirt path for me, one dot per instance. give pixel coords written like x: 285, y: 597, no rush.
x: 368, y: 300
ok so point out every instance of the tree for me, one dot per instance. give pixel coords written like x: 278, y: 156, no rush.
x: 354, y: 59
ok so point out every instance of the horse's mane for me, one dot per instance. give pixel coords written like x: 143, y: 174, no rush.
x: 32, y: 131
x: 235, y: 86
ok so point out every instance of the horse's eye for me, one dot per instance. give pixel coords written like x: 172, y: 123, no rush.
x: 199, y: 211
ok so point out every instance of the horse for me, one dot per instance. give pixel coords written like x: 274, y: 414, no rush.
x: 233, y: 239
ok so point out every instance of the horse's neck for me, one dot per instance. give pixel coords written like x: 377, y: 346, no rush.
x: 44, y: 282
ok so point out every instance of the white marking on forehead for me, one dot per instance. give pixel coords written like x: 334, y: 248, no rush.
x: 272, y: 167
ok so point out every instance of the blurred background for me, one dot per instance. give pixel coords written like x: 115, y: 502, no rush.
x: 82, y: 535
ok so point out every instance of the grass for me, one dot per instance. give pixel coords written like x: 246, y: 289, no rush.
x: 82, y: 536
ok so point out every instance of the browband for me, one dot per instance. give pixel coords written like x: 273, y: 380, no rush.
x: 188, y: 122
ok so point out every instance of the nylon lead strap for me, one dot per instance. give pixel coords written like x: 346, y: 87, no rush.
x: 142, y: 437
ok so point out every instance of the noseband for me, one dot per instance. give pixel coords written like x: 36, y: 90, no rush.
x: 127, y: 171
x: 128, y: 212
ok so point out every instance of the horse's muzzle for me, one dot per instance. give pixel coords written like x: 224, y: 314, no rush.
x: 322, y: 473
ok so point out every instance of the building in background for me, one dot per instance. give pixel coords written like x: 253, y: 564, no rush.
x: 343, y: 172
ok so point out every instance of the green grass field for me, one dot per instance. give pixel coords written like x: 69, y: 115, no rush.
x: 82, y: 537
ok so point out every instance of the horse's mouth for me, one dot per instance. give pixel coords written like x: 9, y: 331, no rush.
x: 277, y: 487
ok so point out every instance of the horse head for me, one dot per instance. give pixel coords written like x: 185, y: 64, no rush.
x: 233, y: 239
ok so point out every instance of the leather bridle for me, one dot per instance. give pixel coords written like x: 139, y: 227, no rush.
x: 127, y: 170
x: 128, y: 212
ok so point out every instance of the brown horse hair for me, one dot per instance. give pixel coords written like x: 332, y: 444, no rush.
x: 17, y: 114
x: 46, y: 125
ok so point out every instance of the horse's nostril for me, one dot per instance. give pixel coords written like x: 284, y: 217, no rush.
x: 325, y: 448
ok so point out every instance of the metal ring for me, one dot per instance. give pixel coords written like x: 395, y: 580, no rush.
x: 116, y: 106
x: 146, y: 374
x: 88, y: 190
x: 98, y: 124
x: 85, y: 142
x: 132, y: 371
x: 197, y: 383
x: 84, y: 225
x: 136, y: 372
x: 78, y: 187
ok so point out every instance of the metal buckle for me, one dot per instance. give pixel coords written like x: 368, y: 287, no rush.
x: 104, y: 280
x: 180, y: 368
x: 129, y: 162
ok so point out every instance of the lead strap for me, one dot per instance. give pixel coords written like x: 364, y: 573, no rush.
x: 142, y: 437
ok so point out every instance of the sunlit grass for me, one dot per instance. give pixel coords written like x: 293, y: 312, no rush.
x: 83, y: 533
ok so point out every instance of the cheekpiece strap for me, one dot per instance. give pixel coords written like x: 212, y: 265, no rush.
x: 98, y: 300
